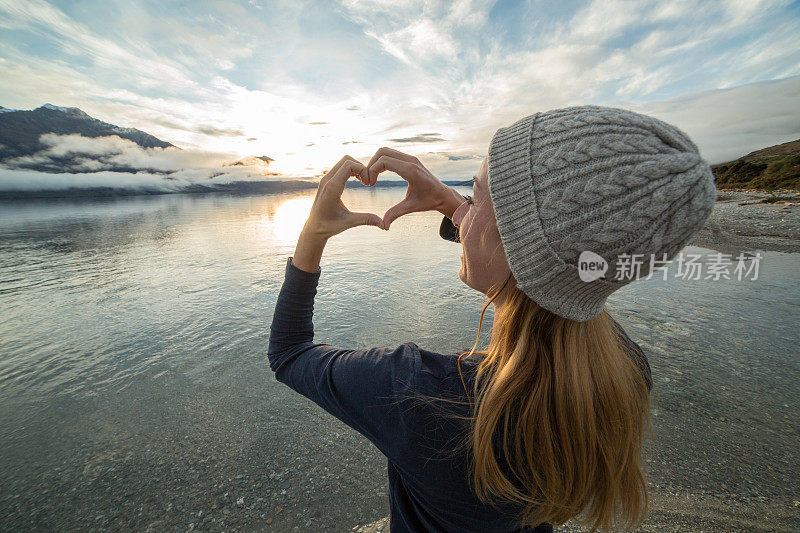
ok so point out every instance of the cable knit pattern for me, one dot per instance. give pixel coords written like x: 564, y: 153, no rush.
x: 594, y: 178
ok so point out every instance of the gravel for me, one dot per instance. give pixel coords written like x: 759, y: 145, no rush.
x: 740, y: 222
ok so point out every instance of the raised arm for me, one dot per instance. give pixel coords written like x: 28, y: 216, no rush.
x: 292, y: 320
x: 364, y: 388
x: 329, y: 216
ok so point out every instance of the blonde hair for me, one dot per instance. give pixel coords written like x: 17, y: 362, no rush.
x: 568, y: 406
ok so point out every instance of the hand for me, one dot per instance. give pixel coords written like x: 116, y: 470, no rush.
x: 425, y: 192
x: 329, y: 216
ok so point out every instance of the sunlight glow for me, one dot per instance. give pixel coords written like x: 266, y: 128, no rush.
x: 290, y: 217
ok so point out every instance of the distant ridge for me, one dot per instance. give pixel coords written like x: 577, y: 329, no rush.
x: 790, y: 148
x: 239, y: 188
x: 775, y: 167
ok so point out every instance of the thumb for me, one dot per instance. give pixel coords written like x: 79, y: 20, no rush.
x: 366, y: 219
x: 395, y: 212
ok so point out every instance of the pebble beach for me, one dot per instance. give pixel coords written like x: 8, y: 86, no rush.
x: 741, y: 221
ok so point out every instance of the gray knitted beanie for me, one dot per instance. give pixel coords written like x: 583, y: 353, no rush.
x: 593, y: 179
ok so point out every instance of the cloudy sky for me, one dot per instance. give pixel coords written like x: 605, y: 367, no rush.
x: 305, y: 82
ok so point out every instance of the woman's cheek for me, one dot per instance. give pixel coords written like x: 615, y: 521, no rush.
x: 459, y: 214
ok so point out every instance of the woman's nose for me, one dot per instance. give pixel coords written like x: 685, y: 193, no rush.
x: 458, y: 214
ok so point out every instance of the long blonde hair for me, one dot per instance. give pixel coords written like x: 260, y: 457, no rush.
x: 570, y: 408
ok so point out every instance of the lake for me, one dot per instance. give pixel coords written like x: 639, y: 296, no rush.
x: 135, y: 389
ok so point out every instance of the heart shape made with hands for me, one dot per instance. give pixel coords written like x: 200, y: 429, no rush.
x: 424, y: 190
x: 329, y: 216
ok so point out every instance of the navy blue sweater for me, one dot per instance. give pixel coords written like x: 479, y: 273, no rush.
x: 372, y: 390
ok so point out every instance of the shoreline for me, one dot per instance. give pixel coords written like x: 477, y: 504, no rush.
x: 252, y: 187
x: 739, y: 221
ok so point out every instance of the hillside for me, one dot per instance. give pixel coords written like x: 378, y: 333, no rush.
x: 776, y: 167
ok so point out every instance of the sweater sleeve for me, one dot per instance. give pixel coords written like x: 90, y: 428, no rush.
x: 363, y: 388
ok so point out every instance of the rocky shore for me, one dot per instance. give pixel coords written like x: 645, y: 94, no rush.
x: 742, y: 221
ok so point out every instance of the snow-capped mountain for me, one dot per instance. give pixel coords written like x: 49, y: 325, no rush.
x: 20, y: 131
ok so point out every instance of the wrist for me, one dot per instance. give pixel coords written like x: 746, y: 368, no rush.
x: 311, y: 236
x: 312, y: 233
x: 449, y: 201
x: 308, y: 252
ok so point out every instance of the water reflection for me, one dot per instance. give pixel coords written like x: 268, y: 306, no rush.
x: 141, y: 283
x: 290, y: 217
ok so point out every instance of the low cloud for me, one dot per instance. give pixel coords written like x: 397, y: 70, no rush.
x: 458, y: 157
x: 33, y: 180
x: 219, y: 132
x: 87, y: 154
x: 69, y: 161
x: 421, y: 138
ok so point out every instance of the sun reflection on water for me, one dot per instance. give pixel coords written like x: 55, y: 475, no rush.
x: 290, y: 217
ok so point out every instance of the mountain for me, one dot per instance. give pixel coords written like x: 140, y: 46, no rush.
x: 20, y: 130
x: 776, y: 167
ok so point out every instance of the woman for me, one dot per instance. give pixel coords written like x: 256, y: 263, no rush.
x: 547, y: 424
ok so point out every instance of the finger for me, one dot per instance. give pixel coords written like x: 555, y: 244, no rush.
x: 396, y: 211
x: 335, y: 184
x: 405, y: 169
x: 332, y: 172
x: 390, y: 152
x: 365, y: 219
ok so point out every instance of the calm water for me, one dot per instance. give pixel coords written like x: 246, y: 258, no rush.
x: 135, y: 389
